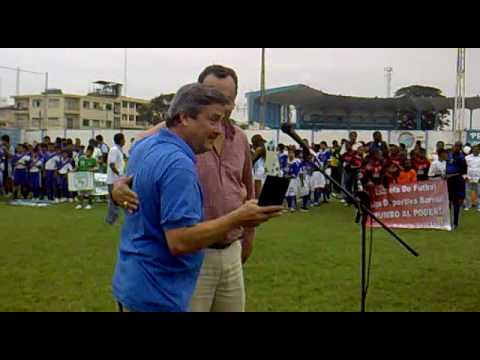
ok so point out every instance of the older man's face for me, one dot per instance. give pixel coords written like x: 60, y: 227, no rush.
x: 203, y: 130
x: 227, y: 87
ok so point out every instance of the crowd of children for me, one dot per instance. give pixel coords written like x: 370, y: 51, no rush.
x: 39, y: 171
x: 361, y: 166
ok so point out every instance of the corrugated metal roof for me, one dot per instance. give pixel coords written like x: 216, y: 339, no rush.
x: 307, y: 98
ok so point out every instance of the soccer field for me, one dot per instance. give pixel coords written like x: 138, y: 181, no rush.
x: 61, y: 259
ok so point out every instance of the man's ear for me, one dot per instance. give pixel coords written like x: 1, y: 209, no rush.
x: 184, y: 119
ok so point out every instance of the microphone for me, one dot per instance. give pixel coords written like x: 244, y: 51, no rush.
x: 290, y: 131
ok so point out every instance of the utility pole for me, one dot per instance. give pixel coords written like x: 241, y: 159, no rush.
x: 18, y: 71
x: 46, y: 102
x: 125, y: 73
x: 388, y: 76
x: 459, y: 111
x: 262, y: 90
x: 17, y: 90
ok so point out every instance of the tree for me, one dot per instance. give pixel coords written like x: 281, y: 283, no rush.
x: 155, y: 111
x: 430, y: 120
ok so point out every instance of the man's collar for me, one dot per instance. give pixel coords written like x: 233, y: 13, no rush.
x: 171, y: 137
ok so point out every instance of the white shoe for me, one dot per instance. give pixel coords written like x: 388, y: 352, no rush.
x: 342, y: 201
x: 304, y: 210
x: 466, y: 209
x: 56, y: 201
x: 78, y: 207
x: 88, y: 207
x: 63, y: 200
x: 292, y: 210
x: 478, y: 209
x: 70, y: 200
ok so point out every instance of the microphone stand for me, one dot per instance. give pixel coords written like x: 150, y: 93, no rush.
x: 362, y: 206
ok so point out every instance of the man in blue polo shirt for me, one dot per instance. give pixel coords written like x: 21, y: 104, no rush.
x: 161, y: 246
x: 456, y: 168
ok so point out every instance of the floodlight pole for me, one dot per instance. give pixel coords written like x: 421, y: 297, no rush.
x: 262, y: 90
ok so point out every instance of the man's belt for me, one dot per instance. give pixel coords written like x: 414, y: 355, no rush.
x: 220, y: 246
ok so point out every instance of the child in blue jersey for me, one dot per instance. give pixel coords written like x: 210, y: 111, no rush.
x: 20, y: 162
x: 3, y: 157
x: 305, y: 175
x: 293, y: 169
x: 42, y: 153
x: 51, y: 160
x: 65, y: 165
x: 282, y: 159
x: 34, y: 174
x: 324, y: 157
x: 317, y: 181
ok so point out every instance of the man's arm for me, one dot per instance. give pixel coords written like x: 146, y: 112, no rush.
x: 247, y: 179
x: 114, y: 169
x: 190, y: 239
x: 181, y: 208
x: 122, y: 194
x: 151, y: 131
x: 111, y: 162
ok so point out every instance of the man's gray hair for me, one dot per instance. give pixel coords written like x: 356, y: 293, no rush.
x: 190, y: 99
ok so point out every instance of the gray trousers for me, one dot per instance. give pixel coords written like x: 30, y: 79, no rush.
x: 472, y: 188
x: 112, y: 213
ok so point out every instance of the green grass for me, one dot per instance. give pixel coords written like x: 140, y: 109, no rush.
x: 61, y: 259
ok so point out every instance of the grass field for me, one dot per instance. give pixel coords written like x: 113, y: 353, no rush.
x: 61, y: 259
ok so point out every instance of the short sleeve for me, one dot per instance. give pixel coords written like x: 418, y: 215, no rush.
x: 112, y: 156
x: 181, y: 201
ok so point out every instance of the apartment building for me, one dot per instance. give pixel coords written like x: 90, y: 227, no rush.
x: 103, y: 108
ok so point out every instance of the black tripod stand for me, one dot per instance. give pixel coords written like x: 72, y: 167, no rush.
x: 362, y: 203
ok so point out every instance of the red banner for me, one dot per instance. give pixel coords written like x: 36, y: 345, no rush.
x: 422, y: 205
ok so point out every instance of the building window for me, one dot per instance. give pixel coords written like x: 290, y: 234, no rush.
x: 86, y: 105
x: 71, y: 104
x: 131, y: 117
x: 36, y: 123
x: 96, y: 105
x: 21, y: 105
x: 124, y: 104
x: 124, y: 117
x: 86, y: 122
x: 108, y: 107
x: 22, y: 121
x: 108, y: 124
x: 53, y: 103
x: 36, y: 103
x: 53, y: 121
x: 69, y: 123
x: 96, y: 123
x: 132, y: 105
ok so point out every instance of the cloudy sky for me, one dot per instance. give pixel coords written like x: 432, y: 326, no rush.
x: 358, y: 72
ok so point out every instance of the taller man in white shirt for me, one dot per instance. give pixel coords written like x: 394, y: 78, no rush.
x: 116, y: 169
x: 473, y: 177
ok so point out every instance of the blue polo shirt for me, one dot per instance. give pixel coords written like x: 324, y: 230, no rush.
x: 456, y: 163
x: 147, y: 276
